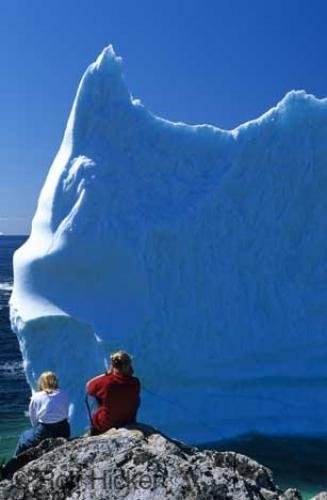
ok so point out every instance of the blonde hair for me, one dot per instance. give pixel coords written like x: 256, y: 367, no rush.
x: 122, y: 361
x: 48, y: 382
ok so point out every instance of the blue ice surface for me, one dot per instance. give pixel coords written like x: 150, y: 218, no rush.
x: 200, y: 250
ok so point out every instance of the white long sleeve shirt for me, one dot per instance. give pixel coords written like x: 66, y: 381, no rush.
x: 48, y: 408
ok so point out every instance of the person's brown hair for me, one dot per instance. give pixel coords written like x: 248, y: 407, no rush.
x: 122, y: 362
x: 48, y: 382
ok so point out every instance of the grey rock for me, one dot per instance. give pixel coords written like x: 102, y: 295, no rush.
x: 291, y: 494
x: 136, y: 463
x: 320, y: 496
x: 32, y: 454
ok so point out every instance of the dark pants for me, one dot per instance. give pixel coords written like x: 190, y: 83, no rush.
x: 92, y: 404
x: 35, y: 435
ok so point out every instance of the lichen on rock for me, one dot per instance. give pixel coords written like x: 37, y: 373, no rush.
x: 136, y: 463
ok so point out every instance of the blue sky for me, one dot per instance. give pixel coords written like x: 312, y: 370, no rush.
x: 200, y: 61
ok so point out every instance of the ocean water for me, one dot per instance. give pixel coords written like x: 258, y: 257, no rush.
x: 295, y: 462
x: 14, y: 391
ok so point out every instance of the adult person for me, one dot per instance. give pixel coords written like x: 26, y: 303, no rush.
x: 113, y: 398
x: 48, y: 412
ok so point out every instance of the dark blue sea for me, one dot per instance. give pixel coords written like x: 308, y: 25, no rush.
x: 14, y: 390
x: 295, y: 462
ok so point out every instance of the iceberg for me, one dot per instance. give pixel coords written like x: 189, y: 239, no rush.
x: 201, y: 251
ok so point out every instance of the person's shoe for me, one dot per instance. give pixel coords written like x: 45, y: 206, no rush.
x: 93, y: 432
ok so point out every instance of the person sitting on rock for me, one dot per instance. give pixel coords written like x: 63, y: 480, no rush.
x: 48, y: 412
x: 113, y: 398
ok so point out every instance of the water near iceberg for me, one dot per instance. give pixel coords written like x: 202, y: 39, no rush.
x: 14, y: 391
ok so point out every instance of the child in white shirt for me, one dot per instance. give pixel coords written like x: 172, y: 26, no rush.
x: 48, y: 411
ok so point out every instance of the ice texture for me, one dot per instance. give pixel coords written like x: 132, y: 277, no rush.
x: 200, y: 250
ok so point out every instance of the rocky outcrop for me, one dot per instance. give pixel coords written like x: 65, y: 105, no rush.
x: 135, y: 463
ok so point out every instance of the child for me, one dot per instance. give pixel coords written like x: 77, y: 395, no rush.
x: 48, y: 412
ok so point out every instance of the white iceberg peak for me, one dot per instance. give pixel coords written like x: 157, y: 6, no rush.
x: 108, y: 60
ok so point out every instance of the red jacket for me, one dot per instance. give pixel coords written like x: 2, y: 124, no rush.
x: 119, y: 397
